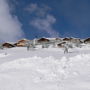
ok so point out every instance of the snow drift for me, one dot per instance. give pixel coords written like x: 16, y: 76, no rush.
x: 35, y: 72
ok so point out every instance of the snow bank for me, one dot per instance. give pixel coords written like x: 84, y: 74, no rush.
x: 49, y: 68
x: 3, y: 55
x: 45, y: 69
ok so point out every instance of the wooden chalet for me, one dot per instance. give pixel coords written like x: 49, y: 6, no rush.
x: 21, y: 43
x: 66, y: 39
x: 8, y: 45
x: 87, y: 41
x: 61, y: 45
x: 43, y: 40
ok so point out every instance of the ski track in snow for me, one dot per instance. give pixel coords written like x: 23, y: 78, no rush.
x: 47, y: 69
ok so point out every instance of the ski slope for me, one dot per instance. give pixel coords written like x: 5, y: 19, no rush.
x: 45, y: 69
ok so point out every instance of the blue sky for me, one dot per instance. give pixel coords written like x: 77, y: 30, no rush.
x: 52, y: 18
x: 72, y: 17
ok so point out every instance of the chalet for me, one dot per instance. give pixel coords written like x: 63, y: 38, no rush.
x: 58, y: 39
x: 87, y: 40
x: 7, y: 45
x: 21, y: 43
x: 66, y: 39
x: 61, y: 45
x: 76, y: 40
x: 72, y: 40
x: 43, y: 40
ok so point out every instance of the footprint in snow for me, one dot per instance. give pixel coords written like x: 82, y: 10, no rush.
x: 4, y: 55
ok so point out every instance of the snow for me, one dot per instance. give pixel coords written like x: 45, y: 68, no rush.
x: 45, y: 69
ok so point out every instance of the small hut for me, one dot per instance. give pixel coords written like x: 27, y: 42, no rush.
x: 43, y: 40
x: 87, y: 41
x: 61, y: 45
x: 66, y: 39
x: 21, y: 43
x: 75, y: 40
x: 7, y: 45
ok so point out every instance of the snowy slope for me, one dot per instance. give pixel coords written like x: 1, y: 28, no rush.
x: 45, y: 69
